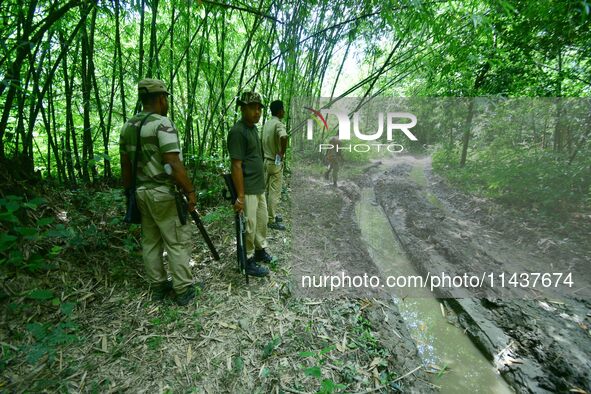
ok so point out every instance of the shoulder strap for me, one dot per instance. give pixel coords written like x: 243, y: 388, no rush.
x: 138, y: 149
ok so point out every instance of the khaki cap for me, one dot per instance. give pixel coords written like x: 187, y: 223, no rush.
x: 249, y: 98
x: 150, y: 85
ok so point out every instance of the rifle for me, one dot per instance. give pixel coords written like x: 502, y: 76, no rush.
x: 182, y: 209
x: 240, y: 226
x: 204, y: 234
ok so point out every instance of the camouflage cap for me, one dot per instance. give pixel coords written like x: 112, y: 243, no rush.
x: 150, y: 85
x: 249, y: 98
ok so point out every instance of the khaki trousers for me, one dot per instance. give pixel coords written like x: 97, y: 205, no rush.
x: 334, y: 167
x: 255, y: 214
x: 162, y: 230
x: 274, y: 180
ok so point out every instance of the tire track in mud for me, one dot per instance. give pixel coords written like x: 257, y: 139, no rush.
x: 326, y: 240
x: 539, y: 344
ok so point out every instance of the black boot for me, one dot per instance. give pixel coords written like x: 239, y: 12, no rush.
x: 186, y: 297
x: 262, y: 255
x: 276, y: 226
x: 161, y: 290
x: 253, y: 269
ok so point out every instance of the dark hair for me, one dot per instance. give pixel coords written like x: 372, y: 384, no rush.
x: 150, y: 98
x: 276, y: 106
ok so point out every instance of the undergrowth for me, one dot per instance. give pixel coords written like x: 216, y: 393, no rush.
x: 522, y: 178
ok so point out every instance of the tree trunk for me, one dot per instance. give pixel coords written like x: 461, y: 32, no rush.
x: 120, y: 60
x: 558, y: 132
x: 87, y: 143
x: 153, y: 40
x: 467, y: 130
x: 171, y: 63
x: 141, y: 43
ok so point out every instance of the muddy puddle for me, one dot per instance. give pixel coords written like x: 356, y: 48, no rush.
x: 456, y: 365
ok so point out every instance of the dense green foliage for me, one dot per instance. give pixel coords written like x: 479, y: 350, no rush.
x: 69, y: 72
x: 521, y: 177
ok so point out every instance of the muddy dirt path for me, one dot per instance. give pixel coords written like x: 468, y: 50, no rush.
x: 539, y: 337
x: 326, y: 240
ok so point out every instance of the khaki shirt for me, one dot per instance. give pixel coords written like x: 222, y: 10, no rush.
x: 334, y: 155
x: 273, y: 130
x: 158, y: 136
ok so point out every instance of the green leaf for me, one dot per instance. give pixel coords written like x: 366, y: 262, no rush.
x: 307, y: 354
x: 272, y: 345
x: 327, y: 349
x: 8, y: 217
x: 265, y: 372
x: 115, y: 221
x: 55, y: 250
x: 12, y: 206
x: 38, y: 330
x: 6, y: 241
x: 36, y: 352
x: 238, y: 364
x: 37, y: 262
x: 34, y: 203
x: 26, y: 231
x: 44, y: 222
x: 15, y: 257
x: 67, y: 308
x: 313, y: 371
x: 60, y: 231
x: 328, y: 386
x: 39, y: 294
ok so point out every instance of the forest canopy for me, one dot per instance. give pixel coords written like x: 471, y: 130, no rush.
x: 69, y: 71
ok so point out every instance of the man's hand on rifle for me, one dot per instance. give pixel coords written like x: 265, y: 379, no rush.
x: 239, y: 204
x: 192, y: 201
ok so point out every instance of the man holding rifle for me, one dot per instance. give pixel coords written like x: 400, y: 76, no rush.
x: 248, y: 175
x: 161, y: 228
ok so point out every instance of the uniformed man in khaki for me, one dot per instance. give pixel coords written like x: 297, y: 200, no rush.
x: 274, y: 147
x: 334, y: 159
x: 248, y: 175
x: 161, y: 227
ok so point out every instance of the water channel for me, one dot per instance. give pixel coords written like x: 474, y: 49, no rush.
x: 457, y: 365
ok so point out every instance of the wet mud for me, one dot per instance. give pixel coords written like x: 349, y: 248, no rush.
x: 538, y: 338
x: 326, y: 240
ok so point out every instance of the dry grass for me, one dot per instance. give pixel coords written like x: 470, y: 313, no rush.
x: 234, y: 338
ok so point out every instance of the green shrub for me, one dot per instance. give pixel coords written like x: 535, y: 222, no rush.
x: 521, y: 177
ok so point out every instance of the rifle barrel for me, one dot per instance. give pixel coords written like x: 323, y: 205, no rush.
x: 204, y: 234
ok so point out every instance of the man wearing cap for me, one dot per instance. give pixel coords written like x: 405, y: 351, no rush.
x: 274, y: 147
x: 248, y: 175
x: 161, y: 227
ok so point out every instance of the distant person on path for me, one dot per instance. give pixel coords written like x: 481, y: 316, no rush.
x: 248, y: 175
x: 274, y: 147
x: 334, y: 158
x: 161, y: 228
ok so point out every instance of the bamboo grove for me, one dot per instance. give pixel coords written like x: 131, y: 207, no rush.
x: 69, y: 69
